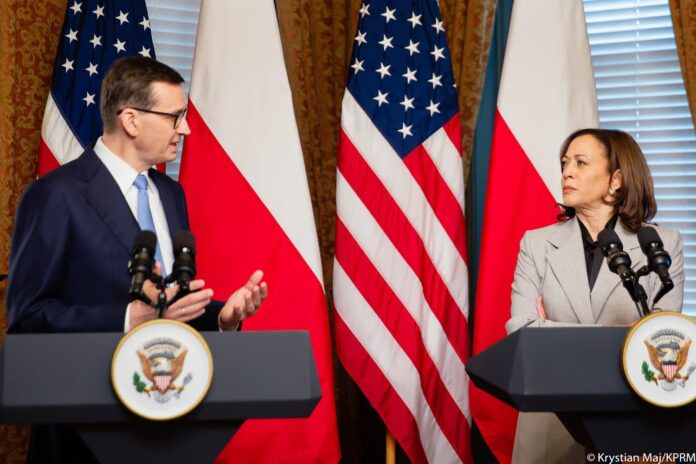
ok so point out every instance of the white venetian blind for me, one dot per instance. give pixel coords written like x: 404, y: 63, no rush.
x: 174, y: 24
x: 640, y: 90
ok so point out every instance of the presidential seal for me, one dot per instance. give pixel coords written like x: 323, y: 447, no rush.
x: 657, y: 359
x: 161, y: 369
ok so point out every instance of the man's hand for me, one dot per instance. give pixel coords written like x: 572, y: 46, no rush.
x: 244, y: 302
x: 189, y: 307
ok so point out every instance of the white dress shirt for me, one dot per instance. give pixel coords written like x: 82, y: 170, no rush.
x: 125, y: 175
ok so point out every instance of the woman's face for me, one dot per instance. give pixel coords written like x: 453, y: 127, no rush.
x: 585, y: 174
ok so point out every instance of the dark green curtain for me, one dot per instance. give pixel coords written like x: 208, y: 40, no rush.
x: 476, y: 192
x: 482, y: 138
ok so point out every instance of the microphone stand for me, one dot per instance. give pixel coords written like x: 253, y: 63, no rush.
x: 161, y: 304
x: 641, y: 298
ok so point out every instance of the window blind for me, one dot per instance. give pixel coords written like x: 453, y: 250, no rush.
x: 640, y: 90
x: 174, y: 24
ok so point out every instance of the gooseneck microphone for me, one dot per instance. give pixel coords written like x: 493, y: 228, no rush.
x: 620, y: 263
x: 659, y: 260
x: 141, y: 262
x: 184, y: 267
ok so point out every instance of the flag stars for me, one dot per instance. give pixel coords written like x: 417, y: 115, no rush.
x: 438, y: 53
x: 436, y: 80
x: 76, y: 7
x: 381, y: 98
x: 120, y: 46
x: 68, y: 65
x: 433, y: 108
x: 360, y: 38
x: 122, y: 17
x: 405, y: 130
x: 357, y: 66
x: 99, y: 11
x: 438, y: 26
x: 72, y: 35
x: 91, y: 69
x: 386, y: 42
x: 364, y: 10
x: 145, y: 52
x: 96, y: 41
x: 415, y: 20
x: 412, y: 47
x: 407, y: 103
x: 383, y: 70
x: 145, y: 23
x: 389, y: 14
x: 410, y: 75
x: 89, y: 99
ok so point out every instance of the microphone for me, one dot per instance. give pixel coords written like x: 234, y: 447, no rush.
x: 184, y: 267
x: 618, y: 260
x: 659, y: 260
x: 620, y: 263
x: 141, y: 262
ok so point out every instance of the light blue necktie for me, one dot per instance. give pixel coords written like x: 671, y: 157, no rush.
x: 145, y: 215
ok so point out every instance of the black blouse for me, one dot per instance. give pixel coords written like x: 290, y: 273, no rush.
x: 593, y: 252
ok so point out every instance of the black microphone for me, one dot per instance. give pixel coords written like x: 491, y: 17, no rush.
x: 659, y: 260
x: 620, y: 263
x: 618, y: 260
x: 142, y: 260
x: 184, y: 267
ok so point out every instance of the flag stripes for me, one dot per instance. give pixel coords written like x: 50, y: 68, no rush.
x: 390, y: 358
x: 439, y: 196
x: 400, y: 272
x: 395, y: 228
x: 376, y: 386
x: 392, y: 173
x: 399, y: 268
x: 59, y: 142
x: 423, y: 353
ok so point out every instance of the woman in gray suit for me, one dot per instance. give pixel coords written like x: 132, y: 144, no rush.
x: 561, y: 278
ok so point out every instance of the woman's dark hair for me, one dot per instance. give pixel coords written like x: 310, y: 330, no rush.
x: 635, y: 200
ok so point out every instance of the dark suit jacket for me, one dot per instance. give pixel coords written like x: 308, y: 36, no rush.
x: 70, y: 250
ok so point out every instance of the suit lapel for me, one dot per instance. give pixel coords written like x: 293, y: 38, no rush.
x: 103, y: 194
x: 608, y: 282
x: 167, y: 198
x: 567, y: 262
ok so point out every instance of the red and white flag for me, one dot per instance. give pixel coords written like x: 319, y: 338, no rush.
x: 546, y: 92
x: 250, y: 208
x: 400, y: 275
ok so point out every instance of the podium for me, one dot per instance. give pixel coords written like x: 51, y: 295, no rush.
x: 65, y: 379
x: 577, y: 374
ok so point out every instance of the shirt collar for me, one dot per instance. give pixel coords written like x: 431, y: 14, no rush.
x: 587, y: 238
x: 122, y: 172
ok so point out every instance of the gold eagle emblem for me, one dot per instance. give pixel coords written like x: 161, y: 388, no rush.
x: 668, y: 351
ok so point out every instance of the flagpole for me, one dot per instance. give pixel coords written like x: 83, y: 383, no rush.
x: 390, y: 449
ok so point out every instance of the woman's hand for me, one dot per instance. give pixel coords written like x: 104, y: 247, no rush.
x: 540, y: 308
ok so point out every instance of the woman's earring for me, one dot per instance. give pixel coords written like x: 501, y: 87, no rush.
x: 612, y: 191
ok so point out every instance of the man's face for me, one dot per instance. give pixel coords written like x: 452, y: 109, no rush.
x: 157, y: 138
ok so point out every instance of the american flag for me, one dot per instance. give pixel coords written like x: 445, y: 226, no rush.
x: 94, y: 34
x: 400, y: 275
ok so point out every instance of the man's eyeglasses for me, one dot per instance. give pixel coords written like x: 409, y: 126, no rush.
x: 178, y: 117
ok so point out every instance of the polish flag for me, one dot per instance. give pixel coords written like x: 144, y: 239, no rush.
x: 244, y: 177
x: 546, y: 92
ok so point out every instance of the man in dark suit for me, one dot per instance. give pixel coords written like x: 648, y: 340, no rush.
x: 75, y: 227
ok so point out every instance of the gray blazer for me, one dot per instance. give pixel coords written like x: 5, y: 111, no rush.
x: 551, y: 264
